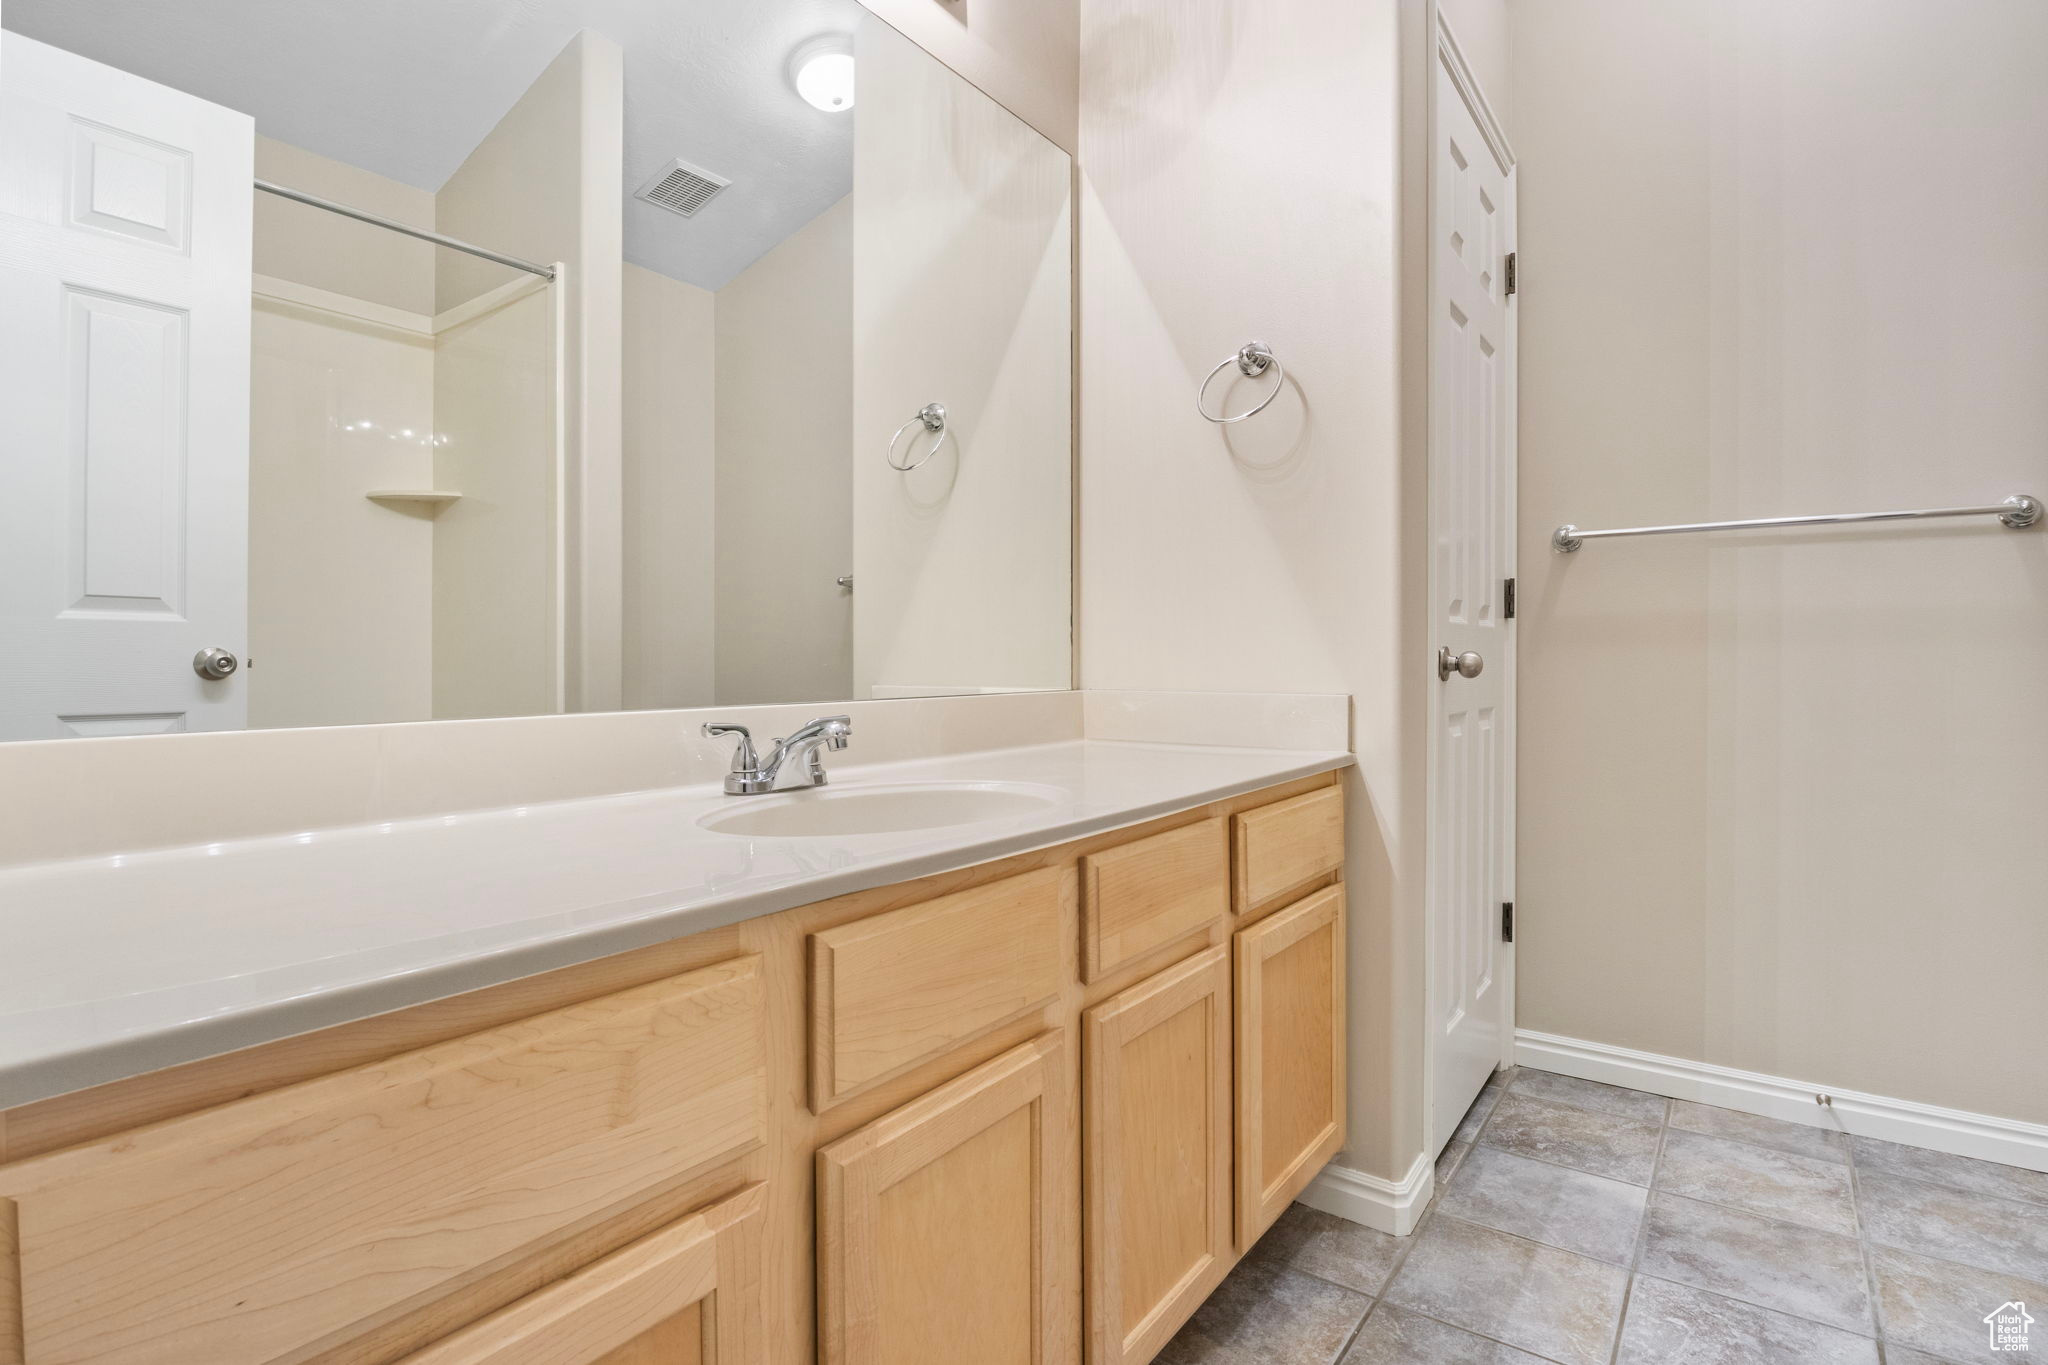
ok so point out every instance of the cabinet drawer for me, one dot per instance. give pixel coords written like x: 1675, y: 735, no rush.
x: 687, y: 1295
x: 1144, y: 895
x: 1284, y: 846
x: 279, y: 1226
x: 901, y: 988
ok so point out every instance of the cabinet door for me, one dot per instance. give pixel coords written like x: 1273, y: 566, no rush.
x: 946, y: 1228
x: 688, y: 1295
x: 1290, y: 1055
x: 1157, y: 1155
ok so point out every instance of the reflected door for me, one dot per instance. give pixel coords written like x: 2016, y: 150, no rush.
x: 1471, y: 494
x: 124, y: 399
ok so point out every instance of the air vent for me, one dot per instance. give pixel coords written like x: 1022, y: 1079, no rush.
x: 682, y: 188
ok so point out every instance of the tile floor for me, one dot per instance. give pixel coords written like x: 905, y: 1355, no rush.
x: 1582, y: 1224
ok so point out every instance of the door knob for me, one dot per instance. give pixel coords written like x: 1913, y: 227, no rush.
x: 214, y: 664
x: 1466, y: 665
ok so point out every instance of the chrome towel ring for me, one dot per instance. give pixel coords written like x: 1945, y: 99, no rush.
x: 932, y: 417
x: 1253, y: 359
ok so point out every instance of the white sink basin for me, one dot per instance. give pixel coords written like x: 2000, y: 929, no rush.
x: 901, y: 808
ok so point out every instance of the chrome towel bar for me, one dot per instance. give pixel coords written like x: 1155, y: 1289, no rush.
x: 2017, y: 511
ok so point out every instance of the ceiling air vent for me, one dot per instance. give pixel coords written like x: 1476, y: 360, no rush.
x: 682, y: 188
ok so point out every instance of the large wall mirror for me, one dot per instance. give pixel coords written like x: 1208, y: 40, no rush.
x: 389, y: 361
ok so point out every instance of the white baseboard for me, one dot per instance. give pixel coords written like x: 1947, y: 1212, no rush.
x: 1383, y: 1204
x: 1955, y: 1131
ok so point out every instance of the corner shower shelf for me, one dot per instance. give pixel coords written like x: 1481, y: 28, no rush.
x: 420, y: 497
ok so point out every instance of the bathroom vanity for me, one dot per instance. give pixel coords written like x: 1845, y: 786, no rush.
x: 1030, y: 1107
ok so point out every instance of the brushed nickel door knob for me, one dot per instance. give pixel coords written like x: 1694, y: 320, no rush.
x: 214, y: 664
x: 1466, y: 665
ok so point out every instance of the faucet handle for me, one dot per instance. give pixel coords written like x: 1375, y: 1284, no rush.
x: 743, y: 759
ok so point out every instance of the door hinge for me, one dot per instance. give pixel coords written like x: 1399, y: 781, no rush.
x: 1507, y: 599
x: 1507, y: 921
x: 1510, y: 273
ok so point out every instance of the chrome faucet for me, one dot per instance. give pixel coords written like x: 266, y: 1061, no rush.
x: 792, y: 765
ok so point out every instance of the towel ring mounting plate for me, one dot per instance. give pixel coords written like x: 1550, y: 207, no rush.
x: 1253, y: 359
x: 932, y: 417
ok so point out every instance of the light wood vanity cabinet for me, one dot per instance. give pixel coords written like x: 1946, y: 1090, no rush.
x: 1156, y: 1149
x: 1028, y: 1112
x: 278, y: 1226
x: 688, y: 1295
x: 1290, y: 1055
x: 1145, y: 894
x: 945, y: 1229
x: 904, y: 987
x: 1287, y: 848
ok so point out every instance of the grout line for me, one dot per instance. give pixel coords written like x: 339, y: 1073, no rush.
x: 1559, y: 1165
x: 1767, y: 1216
x: 1351, y: 1337
x: 1546, y: 1161
x: 1524, y: 1237
x: 1863, y: 1253
x: 1925, y: 1252
x: 1765, y: 1146
x: 1470, y: 1333
x: 1744, y: 1298
x: 1635, y: 1263
x: 1548, y: 1102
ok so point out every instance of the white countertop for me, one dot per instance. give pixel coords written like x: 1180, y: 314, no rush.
x: 120, y: 965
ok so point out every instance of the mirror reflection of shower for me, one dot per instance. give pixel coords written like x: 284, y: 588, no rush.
x: 406, y: 464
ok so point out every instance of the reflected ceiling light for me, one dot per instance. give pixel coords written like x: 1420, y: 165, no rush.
x: 822, y: 72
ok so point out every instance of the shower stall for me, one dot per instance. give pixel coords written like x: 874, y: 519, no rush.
x: 408, y: 457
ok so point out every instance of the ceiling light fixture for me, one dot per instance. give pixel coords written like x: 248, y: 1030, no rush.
x: 822, y: 72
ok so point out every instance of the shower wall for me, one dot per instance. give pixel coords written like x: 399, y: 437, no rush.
x: 544, y: 185
x: 340, y: 601
x: 496, y: 632
x: 382, y: 363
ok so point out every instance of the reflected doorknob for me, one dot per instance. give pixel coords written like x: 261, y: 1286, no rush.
x: 1466, y: 665
x: 214, y: 664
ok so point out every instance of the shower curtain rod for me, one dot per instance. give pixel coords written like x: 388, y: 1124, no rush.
x: 546, y: 272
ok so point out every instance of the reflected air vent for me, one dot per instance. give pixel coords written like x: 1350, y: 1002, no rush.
x: 682, y: 188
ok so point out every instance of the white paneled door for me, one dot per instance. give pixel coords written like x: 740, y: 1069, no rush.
x: 1471, y: 483
x: 124, y: 399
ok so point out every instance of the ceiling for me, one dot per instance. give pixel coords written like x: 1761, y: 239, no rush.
x: 407, y: 88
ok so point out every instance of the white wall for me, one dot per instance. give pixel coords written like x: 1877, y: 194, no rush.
x: 544, y: 185
x: 784, y: 482
x: 1783, y: 795
x: 340, y: 588
x: 1023, y: 53
x: 312, y: 246
x: 962, y: 282
x: 670, y: 432
x: 1240, y: 181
